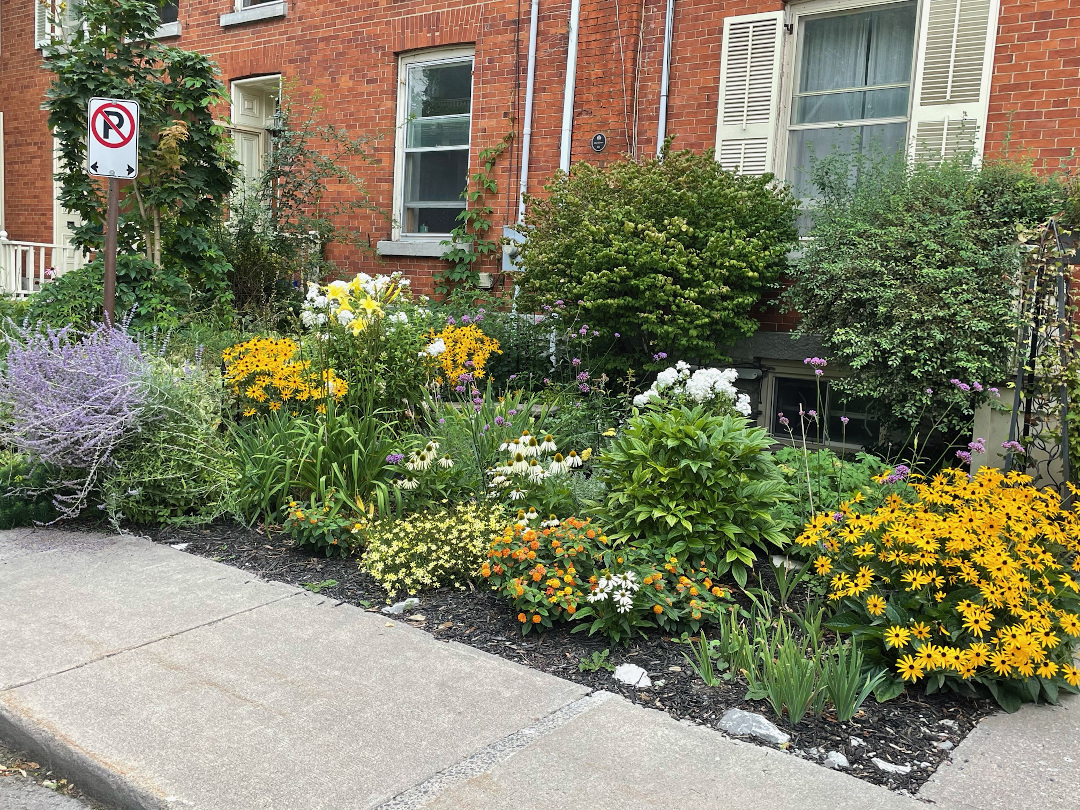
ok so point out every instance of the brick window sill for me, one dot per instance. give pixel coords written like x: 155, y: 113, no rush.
x: 263, y: 11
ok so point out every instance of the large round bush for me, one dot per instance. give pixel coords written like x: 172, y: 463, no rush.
x: 688, y: 483
x: 670, y: 253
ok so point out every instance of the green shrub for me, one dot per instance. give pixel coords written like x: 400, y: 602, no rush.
x: 330, y: 525
x: 909, y: 279
x: 180, y: 469
x: 21, y: 500
x: 671, y: 253
x: 694, y: 485
x: 442, y: 548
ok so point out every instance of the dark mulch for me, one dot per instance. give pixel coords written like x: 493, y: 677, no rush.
x: 903, y: 731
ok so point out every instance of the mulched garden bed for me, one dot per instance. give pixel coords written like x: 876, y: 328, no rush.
x: 912, y: 730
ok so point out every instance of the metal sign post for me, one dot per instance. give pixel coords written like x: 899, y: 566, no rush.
x: 112, y: 152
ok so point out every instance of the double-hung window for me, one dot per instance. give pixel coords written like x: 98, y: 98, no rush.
x: 825, y: 75
x: 852, y: 85
x: 434, y: 127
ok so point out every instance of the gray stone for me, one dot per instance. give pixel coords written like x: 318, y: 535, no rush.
x: 179, y: 546
x: 398, y: 608
x: 856, y: 742
x: 889, y: 767
x: 24, y: 794
x: 619, y: 756
x: 836, y: 761
x: 254, y: 711
x: 67, y: 599
x: 779, y: 560
x: 948, y: 723
x: 743, y: 724
x: 632, y: 675
x: 1014, y: 762
x: 944, y: 745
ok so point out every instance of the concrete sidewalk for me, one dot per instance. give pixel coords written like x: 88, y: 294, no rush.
x: 156, y: 679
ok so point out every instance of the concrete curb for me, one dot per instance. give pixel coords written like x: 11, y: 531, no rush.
x: 94, y: 778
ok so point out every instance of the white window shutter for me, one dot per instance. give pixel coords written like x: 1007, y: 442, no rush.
x: 749, y: 92
x: 952, y: 81
x: 42, y: 34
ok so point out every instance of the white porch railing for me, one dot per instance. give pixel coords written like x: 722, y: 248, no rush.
x: 25, y: 266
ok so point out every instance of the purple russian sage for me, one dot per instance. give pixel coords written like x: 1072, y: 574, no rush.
x: 69, y: 399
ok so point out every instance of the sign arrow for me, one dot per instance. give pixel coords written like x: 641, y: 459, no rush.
x: 130, y: 170
x: 93, y: 166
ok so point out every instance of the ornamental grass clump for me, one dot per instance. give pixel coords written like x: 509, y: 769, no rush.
x: 442, y: 548
x: 973, y: 584
x: 70, y: 399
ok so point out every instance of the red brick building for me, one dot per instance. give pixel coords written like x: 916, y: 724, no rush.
x: 763, y: 81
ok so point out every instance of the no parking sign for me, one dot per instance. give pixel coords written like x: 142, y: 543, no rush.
x: 112, y: 142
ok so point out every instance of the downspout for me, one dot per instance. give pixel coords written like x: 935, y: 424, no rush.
x: 571, y: 80
x: 526, y: 131
x: 665, y: 78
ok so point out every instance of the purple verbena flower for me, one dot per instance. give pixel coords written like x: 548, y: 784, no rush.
x: 395, y: 458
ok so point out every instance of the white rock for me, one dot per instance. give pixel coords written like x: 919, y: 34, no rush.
x: 836, y: 761
x: 780, y: 560
x: 398, y: 608
x: 179, y: 546
x: 856, y: 742
x: 740, y: 723
x: 888, y: 767
x: 949, y: 723
x: 633, y: 675
x: 944, y: 745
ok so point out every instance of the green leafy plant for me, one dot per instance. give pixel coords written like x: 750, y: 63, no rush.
x: 847, y: 685
x: 469, y: 244
x: 442, y: 548
x: 181, y: 471
x: 701, y: 660
x: 694, y: 485
x: 329, y: 524
x: 595, y: 662
x: 24, y: 498
x: 671, y: 253
x: 786, y: 669
x: 319, y: 587
x: 910, y: 277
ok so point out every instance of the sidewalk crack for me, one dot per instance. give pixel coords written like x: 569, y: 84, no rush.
x: 493, y: 754
x: 147, y: 643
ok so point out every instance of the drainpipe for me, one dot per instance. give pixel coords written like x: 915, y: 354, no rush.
x: 526, y: 131
x: 665, y: 78
x: 571, y: 80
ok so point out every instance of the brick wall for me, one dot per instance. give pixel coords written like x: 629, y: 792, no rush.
x: 349, y: 56
x: 1035, y: 90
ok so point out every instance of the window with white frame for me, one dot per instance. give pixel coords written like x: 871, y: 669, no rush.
x: 434, y: 127
x: 254, y: 103
x: 852, y: 85
x: 910, y: 75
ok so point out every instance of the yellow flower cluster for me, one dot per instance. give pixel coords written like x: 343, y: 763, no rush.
x: 975, y: 579
x: 264, y: 376
x: 435, y: 549
x: 459, y: 350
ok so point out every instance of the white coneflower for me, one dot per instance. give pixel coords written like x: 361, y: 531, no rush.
x: 530, y: 448
x: 525, y: 434
x: 536, y: 472
x: 446, y: 462
x: 417, y: 461
x: 573, y: 460
x: 432, y: 446
x: 531, y: 514
x: 548, y: 447
x: 408, y: 483
x: 498, y: 481
x: 550, y: 523
x: 517, y: 494
x: 520, y: 465
x: 558, y: 465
